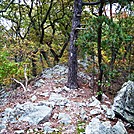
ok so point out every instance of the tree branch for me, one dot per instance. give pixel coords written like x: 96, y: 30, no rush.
x: 91, y: 3
x: 19, y: 83
x: 44, y: 20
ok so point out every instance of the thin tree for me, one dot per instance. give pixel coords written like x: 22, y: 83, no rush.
x: 72, y: 72
x: 72, y: 63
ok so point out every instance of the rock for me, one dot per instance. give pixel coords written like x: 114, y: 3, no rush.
x: 47, y: 73
x: 30, y: 131
x: 94, y: 103
x: 124, y: 102
x: 98, y: 127
x: 110, y: 114
x: 56, y: 70
x: 104, y: 107
x: 57, y: 90
x: 104, y: 97
x: 47, y: 103
x: 46, y: 94
x: 66, y: 89
x: 30, y: 112
x: 19, y: 132
x: 2, y: 127
x: 119, y: 128
x: 84, y: 76
x: 55, y: 116
x: 93, y: 127
x: 60, y: 69
x: 47, y: 128
x: 83, y: 115
x: 95, y: 111
x: 84, y: 63
x: 58, y: 99
x: 33, y: 98
x: 39, y: 83
x: 64, y: 118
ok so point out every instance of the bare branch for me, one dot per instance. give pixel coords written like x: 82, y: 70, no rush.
x: 79, y: 28
x: 25, y: 75
x: 19, y: 83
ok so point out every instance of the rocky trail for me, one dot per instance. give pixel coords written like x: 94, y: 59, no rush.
x: 48, y: 106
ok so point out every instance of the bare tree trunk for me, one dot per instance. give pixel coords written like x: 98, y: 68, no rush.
x: 100, y: 54
x: 34, y: 66
x: 72, y: 72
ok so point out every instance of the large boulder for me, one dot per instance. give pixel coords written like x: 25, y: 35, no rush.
x: 124, y: 102
x: 98, y: 127
x: 33, y: 113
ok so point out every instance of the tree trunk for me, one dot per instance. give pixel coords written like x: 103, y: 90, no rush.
x: 44, y: 54
x: 34, y: 66
x: 72, y: 72
x: 100, y: 54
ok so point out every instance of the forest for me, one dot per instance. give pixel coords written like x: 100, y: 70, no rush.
x: 92, y: 36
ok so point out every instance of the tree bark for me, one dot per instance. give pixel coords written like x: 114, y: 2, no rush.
x: 72, y: 72
x: 34, y: 66
x: 100, y: 54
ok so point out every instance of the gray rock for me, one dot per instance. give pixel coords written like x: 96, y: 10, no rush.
x: 55, y: 116
x: 104, y: 97
x: 84, y: 76
x: 119, y: 128
x: 35, y: 114
x: 104, y: 107
x: 124, y: 102
x: 46, y: 94
x: 19, y: 132
x: 47, y: 103
x: 58, y: 99
x: 98, y: 127
x: 95, y: 111
x: 2, y: 127
x: 31, y: 112
x: 64, y: 118
x: 110, y: 114
x: 33, y: 98
x: 94, y: 103
x: 57, y: 90
x: 84, y: 63
x: 66, y: 89
x: 56, y: 70
x: 48, y: 129
x: 39, y: 83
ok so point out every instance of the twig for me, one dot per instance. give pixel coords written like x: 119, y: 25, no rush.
x: 25, y: 75
x: 19, y: 83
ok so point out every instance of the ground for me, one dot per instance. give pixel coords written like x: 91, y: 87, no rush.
x: 81, y: 95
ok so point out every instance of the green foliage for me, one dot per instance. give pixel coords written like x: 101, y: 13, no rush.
x: 116, y: 45
x: 8, y: 69
x: 80, y: 127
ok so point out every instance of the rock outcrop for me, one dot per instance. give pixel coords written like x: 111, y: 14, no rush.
x: 124, y: 102
x: 98, y: 127
x: 30, y: 112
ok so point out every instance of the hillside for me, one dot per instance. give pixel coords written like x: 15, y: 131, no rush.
x: 66, y: 111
